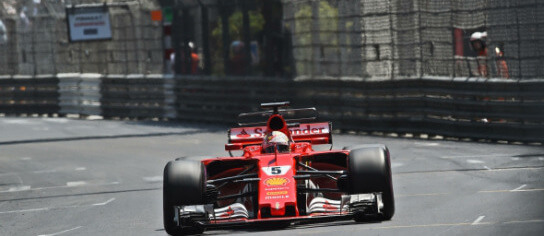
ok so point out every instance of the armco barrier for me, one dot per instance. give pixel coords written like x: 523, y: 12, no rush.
x: 79, y: 94
x: 220, y: 99
x: 492, y: 109
x: 29, y: 95
x: 133, y: 96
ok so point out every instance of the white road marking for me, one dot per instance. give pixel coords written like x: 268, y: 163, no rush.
x: 518, y: 188
x: 68, y: 185
x: 524, y: 221
x: 472, y: 170
x: 60, y: 207
x: 104, y: 203
x: 153, y: 179
x: 16, y: 189
x: 396, y: 164
x: 45, y: 171
x: 512, y: 191
x: 479, y: 156
x: 426, y: 144
x: 81, y: 168
x: 541, y: 158
x: 19, y: 122
x: 487, y: 168
x: 422, y: 194
x: 477, y: 221
x: 76, y: 183
x: 515, y: 158
x: 26, y: 158
x: 26, y: 210
x: 56, y: 120
x: 475, y: 161
x: 61, y: 232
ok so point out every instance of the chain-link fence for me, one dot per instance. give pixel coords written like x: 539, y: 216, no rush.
x: 38, y: 42
x: 357, y: 39
x: 391, y: 39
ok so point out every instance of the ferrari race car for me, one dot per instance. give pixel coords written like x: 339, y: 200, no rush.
x: 279, y: 178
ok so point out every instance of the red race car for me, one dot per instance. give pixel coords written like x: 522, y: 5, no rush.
x: 279, y: 178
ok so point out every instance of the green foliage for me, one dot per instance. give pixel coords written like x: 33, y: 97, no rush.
x: 236, y: 27
x: 256, y: 24
x: 328, y: 23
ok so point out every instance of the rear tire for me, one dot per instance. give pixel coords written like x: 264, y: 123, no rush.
x: 183, y: 184
x: 370, y: 172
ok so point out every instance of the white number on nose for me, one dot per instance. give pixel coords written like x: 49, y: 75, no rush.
x: 276, y: 170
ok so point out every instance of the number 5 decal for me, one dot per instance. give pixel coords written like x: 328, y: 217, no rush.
x: 276, y: 170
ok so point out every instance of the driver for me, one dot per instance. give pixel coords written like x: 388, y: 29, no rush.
x: 276, y: 139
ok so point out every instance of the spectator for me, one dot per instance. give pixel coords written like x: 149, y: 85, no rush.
x: 502, y: 67
x: 238, y: 59
x: 3, y: 33
x: 195, y: 60
x: 478, y: 43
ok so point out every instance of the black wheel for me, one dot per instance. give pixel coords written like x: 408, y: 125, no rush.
x: 183, y: 184
x: 370, y: 172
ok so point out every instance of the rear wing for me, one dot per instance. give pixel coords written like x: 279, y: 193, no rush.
x: 315, y: 133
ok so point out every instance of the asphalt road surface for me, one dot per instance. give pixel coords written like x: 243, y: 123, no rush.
x: 93, y: 177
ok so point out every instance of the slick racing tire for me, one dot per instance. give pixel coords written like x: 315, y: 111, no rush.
x: 183, y: 184
x: 370, y: 172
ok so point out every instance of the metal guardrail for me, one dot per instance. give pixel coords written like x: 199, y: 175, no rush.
x: 493, y: 109
x: 79, y: 94
x: 133, y: 96
x: 29, y: 95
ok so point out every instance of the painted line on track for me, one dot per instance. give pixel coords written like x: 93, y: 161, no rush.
x: 478, y: 220
x: 104, y: 203
x: 471, y: 224
x: 68, y: 185
x: 54, y: 208
x: 61, y: 232
x: 479, y: 156
x: 422, y: 194
x: 153, y: 179
x: 518, y: 188
x: 512, y: 191
x: 524, y: 221
x: 25, y: 210
x: 76, y: 183
x: 470, y: 170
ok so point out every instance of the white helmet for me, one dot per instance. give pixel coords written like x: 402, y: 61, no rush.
x: 275, y: 139
x: 478, y: 36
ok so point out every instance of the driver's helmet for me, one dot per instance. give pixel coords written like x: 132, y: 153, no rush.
x: 275, y: 139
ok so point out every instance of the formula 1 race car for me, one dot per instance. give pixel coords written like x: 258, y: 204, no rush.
x: 279, y: 178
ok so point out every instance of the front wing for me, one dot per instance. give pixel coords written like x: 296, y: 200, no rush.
x: 319, y: 210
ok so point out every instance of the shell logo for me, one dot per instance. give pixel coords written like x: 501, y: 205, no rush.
x: 276, y: 181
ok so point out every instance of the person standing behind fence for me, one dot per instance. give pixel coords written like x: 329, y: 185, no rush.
x: 502, y: 67
x: 477, y: 41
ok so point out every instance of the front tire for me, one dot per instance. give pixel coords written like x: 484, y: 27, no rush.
x: 183, y: 184
x: 370, y: 172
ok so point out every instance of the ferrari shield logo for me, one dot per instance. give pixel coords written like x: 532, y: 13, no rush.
x: 276, y: 181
